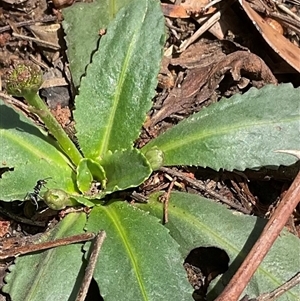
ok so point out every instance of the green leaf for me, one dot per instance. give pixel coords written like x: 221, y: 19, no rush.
x: 50, y: 275
x: 82, y: 22
x: 237, y: 133
x: 116, y: 93
x: 84, y: 176
x: 32, y: 154
x: 125, y: 169
x: 141, y: 252
x: 87, y: 201
x: 87, y: 171
x: 195, y: 221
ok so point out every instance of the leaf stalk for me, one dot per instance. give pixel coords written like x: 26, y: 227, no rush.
x: 41, y: 109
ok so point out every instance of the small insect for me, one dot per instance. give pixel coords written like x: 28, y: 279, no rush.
x: 34, y: 196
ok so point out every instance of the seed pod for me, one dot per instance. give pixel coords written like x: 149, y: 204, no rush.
x: 155, y: 157
x: 57, y: 199
x: 25, y: 77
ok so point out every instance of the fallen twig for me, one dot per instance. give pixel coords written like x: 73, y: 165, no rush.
x: 202, y: 187
x: 16, y: 251
x: 89, y: 271
x: 239, y: 281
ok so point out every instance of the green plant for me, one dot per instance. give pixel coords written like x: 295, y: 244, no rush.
x: 141, y: 259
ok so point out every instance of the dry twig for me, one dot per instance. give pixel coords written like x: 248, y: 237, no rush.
x: 239, y: 281
x: 91, y: 266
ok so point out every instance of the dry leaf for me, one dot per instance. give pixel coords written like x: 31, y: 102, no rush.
x: 201, y: 82
x: 287, y: 50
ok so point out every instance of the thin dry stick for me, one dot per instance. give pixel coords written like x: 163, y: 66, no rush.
x: 209, y: 23
x: 89, y: 271
x: 29, y: 22
x: 287, y: 11
x: 202, y: 187
x: 38, y: 41
x: 13, y: 101
x: 239, y: 281
x: 21, y: 107
x: 14, y: 252
x: 210, y: 4
x: 281, y: 289
x: 275, y: 15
